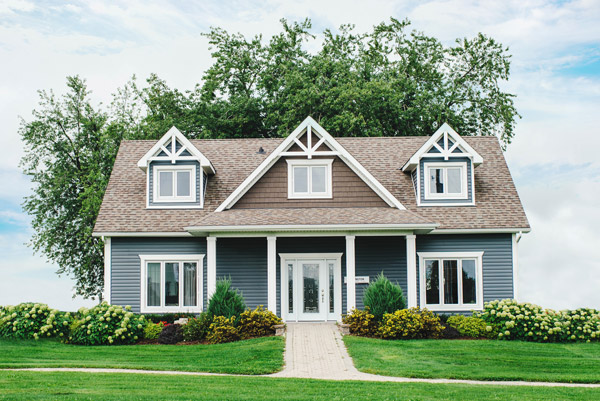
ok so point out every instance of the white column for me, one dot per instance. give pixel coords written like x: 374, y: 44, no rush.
x: 411, y: 270
x: 350, y: 273
x: 515, y: 256
x: 107, y: 268
x: 271, y: 274
x: 211, y: 266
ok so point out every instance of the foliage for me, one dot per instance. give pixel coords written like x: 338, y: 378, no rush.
x: 106, y: 324
x: 528, y: 322
x: 171, y: 334
x: 226, y: 301
x: 471, y: 326
x: 168, y: 317
x: 223, y: 330
x: 196, y: 329
x: 29, y: 320
x: 362, y: 322
x: 257, y: 323
x: 381, y: 297
x: 410, y: 324
x: 153, y: 330
x: 450, y: 333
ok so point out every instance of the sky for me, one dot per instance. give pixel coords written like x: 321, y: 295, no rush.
x: 555, y: 73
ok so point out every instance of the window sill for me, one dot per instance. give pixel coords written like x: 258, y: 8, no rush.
x: 166, y: 309
x: 454, y: 308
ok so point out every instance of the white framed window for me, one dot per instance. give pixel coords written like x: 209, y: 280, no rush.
x: 446, y: 180
x: 171, y: 283
x: 174, y: 183
x: 309, y: 179
x: 451, y: 281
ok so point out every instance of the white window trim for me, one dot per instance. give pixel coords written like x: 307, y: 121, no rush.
x: 328, y: 194
x: 174, y: 199
x: 162, y: 259
x: 478, y: 305
x: 464, y: 194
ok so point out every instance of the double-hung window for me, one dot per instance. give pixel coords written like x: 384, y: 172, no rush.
x: 174, y: 183
x: 309, y: 179
x: 446, y: 180
x: 171, y: 283
x: 451, y: 281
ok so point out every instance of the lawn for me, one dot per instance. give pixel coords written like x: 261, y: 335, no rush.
x: 257, y: 356
x: 477, y: 359
x: 128, y: 386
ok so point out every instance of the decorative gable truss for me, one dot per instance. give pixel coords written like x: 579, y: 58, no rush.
x: 318, y: 142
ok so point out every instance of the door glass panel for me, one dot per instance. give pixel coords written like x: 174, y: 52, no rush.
x: 300, y: 179
x: 436, y: 180
x: 172, y: 284
x: 454, y: 180
x: 469, y: 281
x: 331, y: 271
x: 432, y: 282
x: 319, y: 183
x: 450, y: 281
x: 183, y: 183
x: 153, y: 288
x: 310, y: 274
x: 165, y: 180
x: 189, y: 284
x: 290, y: 288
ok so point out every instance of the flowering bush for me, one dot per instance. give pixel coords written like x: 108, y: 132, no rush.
x: 528, y: 322
x: 410, y: 324
x: 257, y: 323
x: 29, y: 320
x: 153, y: 330
x: 361, y: 322
x: 105, y: 324
x: 223, y: 330
x: 470, y: 326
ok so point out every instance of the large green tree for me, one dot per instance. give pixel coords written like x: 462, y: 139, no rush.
x: 389, y: 81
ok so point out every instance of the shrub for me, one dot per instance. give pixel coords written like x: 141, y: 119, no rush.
x: 171, y: 334
x: 223, y: 330
x: 153, y: 330
x: 362, y: 322
x: 196, y: 329
x: 105, y: 324
x: 471, y: 326
x: 168, y: 317
x: 257, y: 323
x: 410, y: 324
x: 450, y: 333
x: 226, y: 301
x: 381, y: 297
x: 29, y: 320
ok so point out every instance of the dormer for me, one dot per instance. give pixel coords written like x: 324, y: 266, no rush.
x: 177, y: 173
x: 442, y: 170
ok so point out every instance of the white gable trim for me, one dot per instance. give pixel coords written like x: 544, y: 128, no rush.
x: 311, y: 126
x: 445, y: 132
x: 174, y: 135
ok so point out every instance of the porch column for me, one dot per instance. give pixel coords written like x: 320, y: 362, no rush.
x: 271, y: 274
x: 411, y: 270
x: 350, y: 273
x: 107, y: 268
x: 211, y: 266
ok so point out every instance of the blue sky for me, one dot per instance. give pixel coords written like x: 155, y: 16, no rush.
x: 555, y: 74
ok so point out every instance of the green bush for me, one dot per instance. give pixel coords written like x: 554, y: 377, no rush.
x: 471, y: 326
x: 361, y: 322
x: 223, y: 330
x: 196, y: 329
x: 29, y: 320
x: 381, y: 297
x: 226, y: 301
x: 105, y: 324
x: 410, y: 324
x: 528, y: 322
x: 153, y: 330
x: 257, y: 323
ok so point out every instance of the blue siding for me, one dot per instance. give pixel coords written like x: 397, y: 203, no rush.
x: 441, y: 159
x: 126, y: 269
x: 497, y: 258
x: 199, y: 187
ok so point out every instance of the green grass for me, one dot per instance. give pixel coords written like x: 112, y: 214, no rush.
x: 478, y: 360
x: 110, y: 386
x: 257, y: 356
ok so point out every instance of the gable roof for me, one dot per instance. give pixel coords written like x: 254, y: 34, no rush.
x: 309, y: 126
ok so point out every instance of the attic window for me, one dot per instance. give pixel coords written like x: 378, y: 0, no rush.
x: 174, y: 184
x: 446, y: 180
x: 309, y: 179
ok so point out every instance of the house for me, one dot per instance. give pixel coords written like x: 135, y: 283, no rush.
x: 302, y: 224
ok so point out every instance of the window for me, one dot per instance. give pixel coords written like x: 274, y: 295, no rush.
x: 446, y: 180
x: 451, y: 281
x: 174, y: 184
x: 309, y: 178
x: 171, y: 283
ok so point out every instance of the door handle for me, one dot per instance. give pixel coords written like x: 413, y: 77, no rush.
x: 322, y: 295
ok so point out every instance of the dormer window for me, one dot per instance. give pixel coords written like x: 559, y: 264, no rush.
x: 309, y: 179
x: 446, y: 180
x: 174, y: 183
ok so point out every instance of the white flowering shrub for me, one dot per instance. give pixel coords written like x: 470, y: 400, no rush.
x: 528, y: 322
x: 105, y: 324
x: 29, y: 320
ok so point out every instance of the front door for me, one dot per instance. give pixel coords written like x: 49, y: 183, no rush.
x: 313, y: 295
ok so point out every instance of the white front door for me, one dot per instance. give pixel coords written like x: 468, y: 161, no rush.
x: 311, y: 296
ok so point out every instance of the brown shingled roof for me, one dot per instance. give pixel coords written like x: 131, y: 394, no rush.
x: 124, y: 206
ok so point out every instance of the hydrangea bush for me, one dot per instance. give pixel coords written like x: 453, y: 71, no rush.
x: 29, y: 320
x: 528, y: 322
